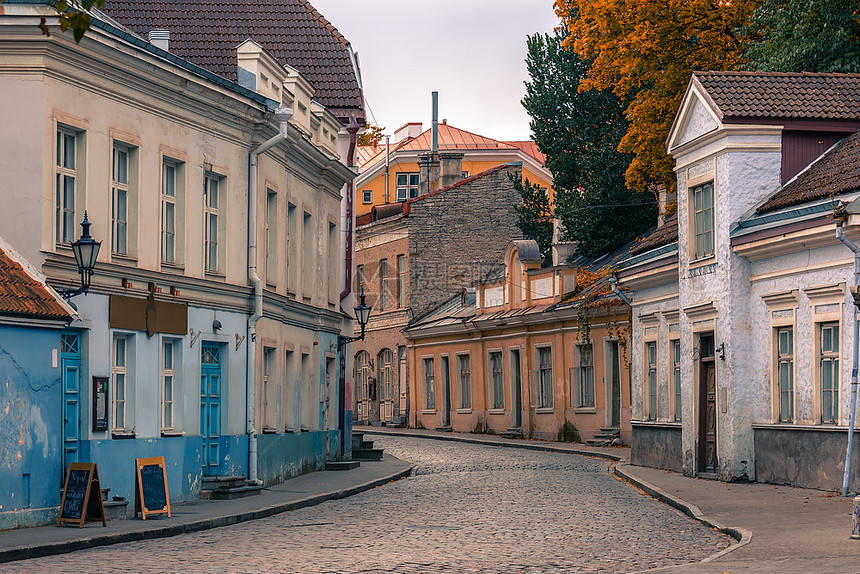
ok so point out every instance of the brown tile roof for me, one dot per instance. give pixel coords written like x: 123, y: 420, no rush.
x: 206, y: 33
x: 450, y: 138
x: 834, y: 173
x: 663, y: 235
x: 783, y: 95
x: 24, y: 296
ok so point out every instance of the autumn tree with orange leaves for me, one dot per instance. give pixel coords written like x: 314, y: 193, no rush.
x: 644, y: 51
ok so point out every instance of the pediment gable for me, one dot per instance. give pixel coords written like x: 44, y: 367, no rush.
x: 696, y: 117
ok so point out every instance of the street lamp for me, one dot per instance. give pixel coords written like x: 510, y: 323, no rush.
x: 86, y: 251
x: 362, y: 315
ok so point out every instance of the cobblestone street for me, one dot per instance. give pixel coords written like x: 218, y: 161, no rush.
x: 469, y: 508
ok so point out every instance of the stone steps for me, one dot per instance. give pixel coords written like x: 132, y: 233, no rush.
x: 228, y: 487
x: 363, y: 449
x: 608, y: 436
x: 513, y: 432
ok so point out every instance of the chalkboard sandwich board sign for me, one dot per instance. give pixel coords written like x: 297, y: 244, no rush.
x: 150, y: 487
x: 82, y: 495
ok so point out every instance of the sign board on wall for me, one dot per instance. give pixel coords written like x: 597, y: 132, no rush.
x: 148, y: 315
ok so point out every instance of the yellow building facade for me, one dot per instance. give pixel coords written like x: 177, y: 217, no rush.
x: 380, y: 182
x: 534, y: 352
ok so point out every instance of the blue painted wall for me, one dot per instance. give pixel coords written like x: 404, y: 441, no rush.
x: 283, y: 456
x: 30, y: 426
x: 182, y: 456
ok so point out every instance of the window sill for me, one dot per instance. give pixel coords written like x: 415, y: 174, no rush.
x: 496, y: 411
x: 584, y: 410
x: 544, y: 410
x: 122, y: 434
x: 466, y: 411
x: 172, y: 268
x: 169, y: 433
x: 123, y: 259
x: 214, y: 275
x: 428, y: 412
x: 270, y: 430
x: 694, y: 263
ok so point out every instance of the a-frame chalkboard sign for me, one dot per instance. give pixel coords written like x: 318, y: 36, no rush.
x: 82, y: 495
x: 150, y: 487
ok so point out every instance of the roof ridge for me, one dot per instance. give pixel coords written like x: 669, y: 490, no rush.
x: 765, y: 74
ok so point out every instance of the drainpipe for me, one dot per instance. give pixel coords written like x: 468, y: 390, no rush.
x: 283, y: 115
x: 846, y: 478
x: 387, y: 165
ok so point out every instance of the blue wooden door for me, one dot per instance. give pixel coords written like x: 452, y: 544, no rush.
x: 210, y: 407
x: 70, y: 366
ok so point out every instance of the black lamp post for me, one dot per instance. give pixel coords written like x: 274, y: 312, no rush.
x: 86, y: 251
x: 362, y: 314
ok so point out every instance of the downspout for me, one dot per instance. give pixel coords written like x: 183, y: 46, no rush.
x: 387, y: 166
x: 283, y: 115
x: 846, y: 478
x: 613, y: 286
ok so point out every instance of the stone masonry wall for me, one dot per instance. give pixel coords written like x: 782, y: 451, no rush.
x: 457, y: 235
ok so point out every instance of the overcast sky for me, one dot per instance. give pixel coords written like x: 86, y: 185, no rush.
x: 471, y: 51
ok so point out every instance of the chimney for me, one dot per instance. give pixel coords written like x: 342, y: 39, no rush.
x: 451, y: 168
x: 160, y: 39
x: 664, y: 198
x: 428, y: 172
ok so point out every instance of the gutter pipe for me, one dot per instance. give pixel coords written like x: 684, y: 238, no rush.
x: 613, y: 286
x: 283, y: 115
x: 846, y: 478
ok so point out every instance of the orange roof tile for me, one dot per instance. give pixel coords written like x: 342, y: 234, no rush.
x: 25, y: 296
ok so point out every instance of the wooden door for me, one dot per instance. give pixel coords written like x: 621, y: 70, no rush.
x: 446, y: 389
x: 517, y: 390
x: 615, y: 371
x: 210, y: 407
x: 707, y: 408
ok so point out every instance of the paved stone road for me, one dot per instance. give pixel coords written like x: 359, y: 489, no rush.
x: 469, y: 508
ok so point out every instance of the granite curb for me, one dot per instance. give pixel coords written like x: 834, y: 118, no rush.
x: 742, y: 536
x: 37, y: 550
x: 510, y: 443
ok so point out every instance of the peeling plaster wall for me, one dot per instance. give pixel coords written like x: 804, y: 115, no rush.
x: 30, y: 427
x: 742, y: 178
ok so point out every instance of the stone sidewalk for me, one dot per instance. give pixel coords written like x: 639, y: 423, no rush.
x: 777, y: 528
x: 306, y: 490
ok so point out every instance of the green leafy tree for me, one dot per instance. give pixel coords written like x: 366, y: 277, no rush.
x: 534, y: 216
x: 579, y: 131
x: 74, y: 16
x: 805, y: 36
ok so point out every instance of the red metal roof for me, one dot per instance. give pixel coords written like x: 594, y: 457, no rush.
x: 450, y: 138
x: 207, y: 32
x: 25, y: 296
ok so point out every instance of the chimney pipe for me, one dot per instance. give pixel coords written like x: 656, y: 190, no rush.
x: 435, y: 147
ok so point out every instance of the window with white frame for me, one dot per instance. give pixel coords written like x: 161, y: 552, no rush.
x: 385, y: 360
x: 65, y: 190
x: 585, y: 376
x: 362, y: 375
x: 676, y: 377
x: 120, y: 199
x: 271, y: 237
x: 497, y: 388
x: 401, y: 281
x: 383, y: 280
x: 269, y: 392
x: 367, y: 196
x: 211, y: 222
x: 292, y: 242
x: 464, y: 377
x: 169, y: 348
x: 544, y: 382
x: 121, y: 379
x: 703, y: 219
x: 785, y: 372
x: 407, y: 186
x: 829, y: 364
x: 308, y: 263
x: 429, y: 372
x: 651, y: 364
x: 169, y: 172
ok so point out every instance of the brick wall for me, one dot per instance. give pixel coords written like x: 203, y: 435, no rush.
x: 457, y: 235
